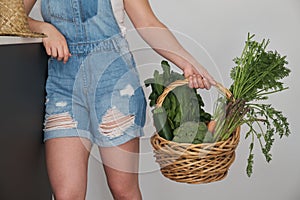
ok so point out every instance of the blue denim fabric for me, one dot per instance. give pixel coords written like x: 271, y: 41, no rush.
x: 81, y: 20
x: 99, y: 84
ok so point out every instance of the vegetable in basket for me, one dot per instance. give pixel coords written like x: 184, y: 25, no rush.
x: 163, y: 127
x: 192, y: 132
x: 181, y: 105
x: 257, y: 74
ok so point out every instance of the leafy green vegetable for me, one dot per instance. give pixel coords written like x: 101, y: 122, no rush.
x: 203, y: 135
x: 163, y: 127
x: 192, y: 132
x: 186, y: 133
x: 183, y: 104
x: 257, y: 74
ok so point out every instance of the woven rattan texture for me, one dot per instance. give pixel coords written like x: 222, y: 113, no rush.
x: 13, y: 20
x: 195, y: 163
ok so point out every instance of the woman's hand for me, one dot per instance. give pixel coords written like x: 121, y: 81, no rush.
x: 55, y: 44
x: 198, y: 77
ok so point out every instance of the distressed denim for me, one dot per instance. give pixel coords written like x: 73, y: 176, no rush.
x: 97, y: 94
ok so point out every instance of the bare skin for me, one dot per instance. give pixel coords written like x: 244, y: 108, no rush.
x: 121, y: 166
x: 67, y: 164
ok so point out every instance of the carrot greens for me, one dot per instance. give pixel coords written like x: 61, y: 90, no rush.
x: 257, y: 74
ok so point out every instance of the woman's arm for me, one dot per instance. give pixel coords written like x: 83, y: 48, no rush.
x: 55, y: 43
x: 159, y: 37
x: 29, y: 5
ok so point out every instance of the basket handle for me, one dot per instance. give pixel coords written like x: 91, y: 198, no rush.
x: 178, y: 83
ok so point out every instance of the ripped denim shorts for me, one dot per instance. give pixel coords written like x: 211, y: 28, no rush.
x: 96, y: 95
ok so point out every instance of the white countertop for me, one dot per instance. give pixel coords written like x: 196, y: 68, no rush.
x: 4, y: 40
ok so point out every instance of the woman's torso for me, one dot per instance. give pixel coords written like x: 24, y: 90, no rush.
x: 82, y: 21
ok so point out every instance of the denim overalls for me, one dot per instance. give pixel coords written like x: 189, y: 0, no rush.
x: 97, y: 93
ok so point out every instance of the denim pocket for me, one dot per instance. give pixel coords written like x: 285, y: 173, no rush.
x: 62, y: 10
x: 88, y: 9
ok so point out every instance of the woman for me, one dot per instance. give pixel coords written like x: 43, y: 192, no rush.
x: 93, y: 91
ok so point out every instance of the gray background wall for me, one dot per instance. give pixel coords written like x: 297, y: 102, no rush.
x: 214, y: 32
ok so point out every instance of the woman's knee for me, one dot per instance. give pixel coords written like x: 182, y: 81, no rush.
x: 125, y: 191
x: 68, y: 194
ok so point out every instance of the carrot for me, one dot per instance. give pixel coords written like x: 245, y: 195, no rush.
x: 211, y: 126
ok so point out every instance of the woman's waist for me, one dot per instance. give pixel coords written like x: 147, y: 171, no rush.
x: 115, y: 43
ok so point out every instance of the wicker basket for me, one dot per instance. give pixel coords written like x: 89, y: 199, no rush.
x: 194, y: 163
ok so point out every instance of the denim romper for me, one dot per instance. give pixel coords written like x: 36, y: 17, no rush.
x: 97, y: 94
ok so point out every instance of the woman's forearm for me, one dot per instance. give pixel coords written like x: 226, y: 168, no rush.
x: 28, y: 4
x: 160, y: 38
x: 37, y: 26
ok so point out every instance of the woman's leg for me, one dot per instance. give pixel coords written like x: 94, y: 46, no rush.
x: 121, y: 165
x: 67, y: 161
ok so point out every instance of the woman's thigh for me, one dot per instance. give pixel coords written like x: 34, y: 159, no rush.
x: 67, y: 163
x: 121, y: 163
